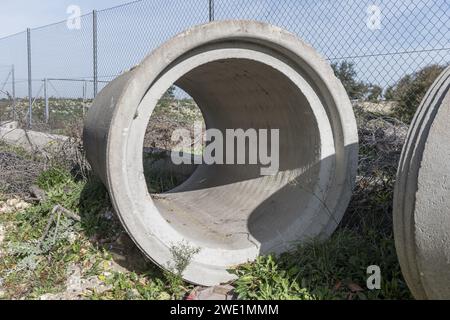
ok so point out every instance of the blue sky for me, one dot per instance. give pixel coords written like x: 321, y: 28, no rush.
x: 411, y: 34
x: 17, y: 15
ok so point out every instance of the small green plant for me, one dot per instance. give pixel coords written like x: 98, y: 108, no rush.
x: 53, y: 177
x: 182, y: 254
x: 265, y: 280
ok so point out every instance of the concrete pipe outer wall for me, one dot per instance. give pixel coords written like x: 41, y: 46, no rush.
x: 422, y: 197
x: 242, y: 74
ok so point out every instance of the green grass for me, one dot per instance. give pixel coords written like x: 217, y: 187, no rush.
x: 329, y: 269
x: 30, y: 268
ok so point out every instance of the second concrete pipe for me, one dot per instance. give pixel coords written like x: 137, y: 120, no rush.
x: 245, y: 75
x: 422, y: 196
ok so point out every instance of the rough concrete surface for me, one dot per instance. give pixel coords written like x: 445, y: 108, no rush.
x: 421, y: 199
x: 241, y: 74
x: 30, y: 140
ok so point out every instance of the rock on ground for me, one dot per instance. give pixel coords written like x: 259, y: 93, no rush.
x: 13, y: 205
x: 77, y: 286
x: 221, y: 292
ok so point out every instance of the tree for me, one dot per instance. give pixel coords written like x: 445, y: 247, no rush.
x: 375, y: 92
x: 170, y: 93
x: 410, y: 90
x: 345, y: 71
x: 389, y: 94
x: 168, y: 97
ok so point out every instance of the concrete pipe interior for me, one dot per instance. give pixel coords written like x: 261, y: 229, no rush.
x: 234, y: 207
x: 242, y: 75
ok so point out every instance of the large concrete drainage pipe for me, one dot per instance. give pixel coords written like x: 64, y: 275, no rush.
x: 242, y: 75
x: 422, y: 197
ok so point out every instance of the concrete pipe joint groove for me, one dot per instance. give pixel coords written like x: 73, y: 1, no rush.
x: 242, y: 74
x: 421, y: 198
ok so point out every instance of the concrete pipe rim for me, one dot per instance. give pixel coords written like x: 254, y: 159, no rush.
x: 137, y: 210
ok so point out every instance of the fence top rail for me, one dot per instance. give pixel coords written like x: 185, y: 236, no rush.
x: 58, y: 22
x: 13, y: 35
x: 64, y: 20
x: 78, y: 80
x: 121, y: 5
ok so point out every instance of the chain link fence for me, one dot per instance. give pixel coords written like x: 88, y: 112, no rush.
x: 6, y: 92
x: 385, y: 52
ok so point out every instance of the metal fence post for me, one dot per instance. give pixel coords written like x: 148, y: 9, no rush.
x: 94, y: 46
x: 13, y: 79
x: 84, y: 96
x: 47, y: 111
x: 211, y: 10
x: 30, y: 90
